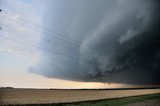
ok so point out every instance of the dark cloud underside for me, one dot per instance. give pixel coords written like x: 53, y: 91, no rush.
x: 124, y: 33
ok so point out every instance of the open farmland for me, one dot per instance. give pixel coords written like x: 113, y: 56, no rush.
x: 42, y: 96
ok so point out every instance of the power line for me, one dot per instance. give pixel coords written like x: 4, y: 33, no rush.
x: 76, y: 43
x: 48, y: 50
x: 50, y: 41
x: 47, y: 40
x: 64, y: 40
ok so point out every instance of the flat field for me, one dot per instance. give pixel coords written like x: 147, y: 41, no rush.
x: 47, y: 96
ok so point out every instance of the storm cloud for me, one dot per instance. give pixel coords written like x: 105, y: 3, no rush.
x: 114, y: 41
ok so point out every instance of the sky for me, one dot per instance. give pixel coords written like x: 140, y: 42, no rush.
x: 79, y: 44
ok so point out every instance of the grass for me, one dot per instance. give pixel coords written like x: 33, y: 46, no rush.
x: 114, y: 102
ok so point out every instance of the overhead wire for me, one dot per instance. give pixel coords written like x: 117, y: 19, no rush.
x: 72, y: 57
x: 48, y: 41
x: 72, y: 44
x: 67, y: 39
x: 48, y: 50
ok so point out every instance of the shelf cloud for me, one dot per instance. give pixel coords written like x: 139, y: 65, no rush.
x: 115, y: 41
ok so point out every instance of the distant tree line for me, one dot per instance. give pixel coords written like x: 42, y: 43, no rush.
x: 8, y: 87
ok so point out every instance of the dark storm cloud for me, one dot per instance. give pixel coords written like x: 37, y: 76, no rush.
x: 124, y: 33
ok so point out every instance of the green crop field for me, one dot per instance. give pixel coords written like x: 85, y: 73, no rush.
x: 115, y: 102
